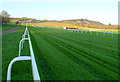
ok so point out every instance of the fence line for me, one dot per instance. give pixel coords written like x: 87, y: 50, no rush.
x: 94, y: 31
x: 21, y: 58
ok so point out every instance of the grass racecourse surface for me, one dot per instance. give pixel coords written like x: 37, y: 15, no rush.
x: 8, y: 26
x: 63, y: 54
x: 20, y: 70
x: 0, y: 54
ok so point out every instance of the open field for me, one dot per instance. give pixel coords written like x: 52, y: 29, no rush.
x: 63, y: 54
x: 55, y: 24
x: 103, y: 28
x: 68, y: 55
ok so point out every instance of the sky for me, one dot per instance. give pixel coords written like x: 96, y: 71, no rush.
x: 105, y: 11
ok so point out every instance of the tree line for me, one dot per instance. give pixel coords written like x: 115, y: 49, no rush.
x: 5, y: 17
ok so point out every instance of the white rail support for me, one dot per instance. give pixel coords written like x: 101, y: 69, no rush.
x: 21, y: 45
x: 21, y: 58
x: 25, y: 33
x: 13, y: 61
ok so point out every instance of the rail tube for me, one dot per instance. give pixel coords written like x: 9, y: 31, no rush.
x: 21, y: 45
x: 12, y: 62
x: 34, y: 66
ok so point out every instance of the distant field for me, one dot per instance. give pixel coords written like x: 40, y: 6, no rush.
x: 104, y: 28
x: 54, y: 24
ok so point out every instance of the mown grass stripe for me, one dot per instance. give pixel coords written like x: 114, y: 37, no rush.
x: 60, y: 44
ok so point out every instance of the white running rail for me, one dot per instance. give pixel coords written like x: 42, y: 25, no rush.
x: 35, y: 72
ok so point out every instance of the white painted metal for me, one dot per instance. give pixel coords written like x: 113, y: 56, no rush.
x: 11, y: 63
x: 24, y: 35
x: 34, y: 66
x: 20, y: 58
x: 21, y: 46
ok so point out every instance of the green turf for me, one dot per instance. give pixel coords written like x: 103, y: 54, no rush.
x: 8, y: 26
x: 0, y: 57
x: 0, y: 54
x: 68, y: 55
x: 21, y: 70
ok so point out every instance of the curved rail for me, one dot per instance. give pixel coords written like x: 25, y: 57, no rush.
x: 13, y: 61
x: 21, y: 58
